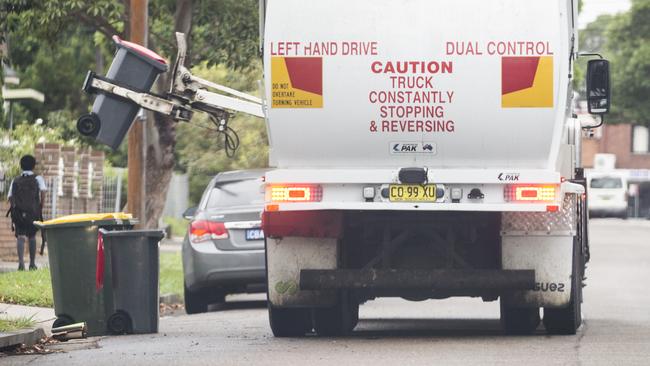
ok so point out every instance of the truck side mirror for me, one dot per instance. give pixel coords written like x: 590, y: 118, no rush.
x: 598, y: 86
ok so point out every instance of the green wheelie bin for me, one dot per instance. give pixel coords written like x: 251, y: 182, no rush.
x: 131, y: 290
x: 72, y: 250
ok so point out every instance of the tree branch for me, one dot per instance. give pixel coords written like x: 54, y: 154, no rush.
x: 99, y: 23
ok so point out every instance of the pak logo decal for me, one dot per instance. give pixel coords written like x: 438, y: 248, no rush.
x: 508, y: 177
x: 297, y: 82
x: 527, y: 82
x: 413, y: 148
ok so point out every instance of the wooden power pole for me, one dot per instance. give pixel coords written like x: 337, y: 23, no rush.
x: 138, y: 26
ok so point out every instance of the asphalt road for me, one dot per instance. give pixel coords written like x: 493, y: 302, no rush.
x: 397, y: 332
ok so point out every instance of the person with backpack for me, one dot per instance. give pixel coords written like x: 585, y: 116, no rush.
x: 26, y: 196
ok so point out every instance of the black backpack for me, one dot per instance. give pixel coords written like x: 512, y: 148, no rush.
x: 25, y: 201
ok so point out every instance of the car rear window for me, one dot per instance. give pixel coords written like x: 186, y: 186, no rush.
x: 236, y: 193
x: 606, y: 182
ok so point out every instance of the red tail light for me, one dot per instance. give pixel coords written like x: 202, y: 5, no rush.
x: 203, y: 230
x: 296, y: 193
x: 532, y: 193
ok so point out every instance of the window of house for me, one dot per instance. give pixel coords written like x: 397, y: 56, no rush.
x: 640, y: 140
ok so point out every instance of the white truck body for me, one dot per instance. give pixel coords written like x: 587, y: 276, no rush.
x: 466, y: 121
x: 476, y: 94
x: 431, y: 80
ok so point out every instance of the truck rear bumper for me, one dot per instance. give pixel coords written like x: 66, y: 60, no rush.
x: 461, y: 282
x: 475, y: 190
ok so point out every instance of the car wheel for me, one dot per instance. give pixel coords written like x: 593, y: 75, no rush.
x: 195, y: 301
x: 337, y: 320
x: 519, y: 321
x: 567, y: 320
x: 289, y: 322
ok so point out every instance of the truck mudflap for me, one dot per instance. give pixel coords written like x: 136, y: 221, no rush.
x: 285, y: 257
x: 460, y: 282
x: 542, y: 241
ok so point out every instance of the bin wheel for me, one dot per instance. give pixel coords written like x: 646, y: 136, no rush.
x: 88, y: 125
x: 119, y: 323
x: 62, y: 321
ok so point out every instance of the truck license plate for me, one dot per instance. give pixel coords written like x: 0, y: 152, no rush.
x: 254, y: 234
x: 412, y: 193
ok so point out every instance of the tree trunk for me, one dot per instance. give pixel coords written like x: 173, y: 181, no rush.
x: 161, y: 134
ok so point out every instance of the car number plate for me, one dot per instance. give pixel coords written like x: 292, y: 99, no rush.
x: 412, y: 193
x: 254, y: 234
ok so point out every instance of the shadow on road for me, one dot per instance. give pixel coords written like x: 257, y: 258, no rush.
x: 385, y: 328
x: 238, y: 305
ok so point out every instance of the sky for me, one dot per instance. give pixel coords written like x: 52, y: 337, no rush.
x: 591, y: 9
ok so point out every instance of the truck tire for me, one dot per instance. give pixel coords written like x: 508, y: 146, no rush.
x: 338, y: 320
x: 289, y: 322
x: 195, y: 301
x: 567, y: 320
x: 519, y: 321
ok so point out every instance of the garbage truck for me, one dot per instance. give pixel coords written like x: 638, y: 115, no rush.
x: 423, y: 149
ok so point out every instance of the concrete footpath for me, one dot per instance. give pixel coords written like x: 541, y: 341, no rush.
x: 43, y: 318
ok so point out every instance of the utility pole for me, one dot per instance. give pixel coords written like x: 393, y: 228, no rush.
x: 138, y: 25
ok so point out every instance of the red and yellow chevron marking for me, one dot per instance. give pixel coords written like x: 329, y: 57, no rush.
x: 527, y: 82
x: 297, y: 82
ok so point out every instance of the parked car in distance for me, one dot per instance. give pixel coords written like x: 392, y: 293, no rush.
x: 223, y: 251
x: 607, y: 194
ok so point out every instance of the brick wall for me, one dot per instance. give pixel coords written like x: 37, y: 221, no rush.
x: 7, y: 238
x: 67, y: 167
x: 614, y: 139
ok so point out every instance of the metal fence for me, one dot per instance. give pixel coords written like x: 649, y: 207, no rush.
x: 106, y: 198
x: 112, y: 194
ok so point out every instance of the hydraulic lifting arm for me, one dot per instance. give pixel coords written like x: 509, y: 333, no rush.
x: 186, y: 94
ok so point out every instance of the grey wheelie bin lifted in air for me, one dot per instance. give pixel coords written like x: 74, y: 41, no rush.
x: 131, y: 290
x: 72, y: 250
x: 133, y: 66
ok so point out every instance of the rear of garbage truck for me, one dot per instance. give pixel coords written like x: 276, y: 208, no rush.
x: 424, y: 149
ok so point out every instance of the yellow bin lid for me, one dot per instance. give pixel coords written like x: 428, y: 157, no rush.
x: 86, y: 217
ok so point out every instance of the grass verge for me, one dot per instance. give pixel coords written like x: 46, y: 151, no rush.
x: 34, y: 288
x: 171, y: 274
x: 11, y: 324
x: 31, y: 288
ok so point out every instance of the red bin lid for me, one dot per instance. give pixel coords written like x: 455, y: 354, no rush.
x: 140, y: 49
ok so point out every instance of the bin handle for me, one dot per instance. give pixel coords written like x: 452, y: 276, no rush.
x: 99, y: 273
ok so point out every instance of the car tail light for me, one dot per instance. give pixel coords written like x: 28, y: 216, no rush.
x: 529, y: 193
x: 203, y: 230
x: 296, y: 193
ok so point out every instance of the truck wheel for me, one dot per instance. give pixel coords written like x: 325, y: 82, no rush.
x: 566, y: 321
x: 289, y: 322
x: 195, y: 302
x: 337, y: 320
x: 519, y: 321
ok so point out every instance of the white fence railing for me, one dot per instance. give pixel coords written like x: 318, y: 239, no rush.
x: 105, y: 198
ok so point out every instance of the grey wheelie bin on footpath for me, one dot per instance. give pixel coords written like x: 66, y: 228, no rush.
x: 131, y: 290
x: 72, y: 249
x: 133, y: 66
